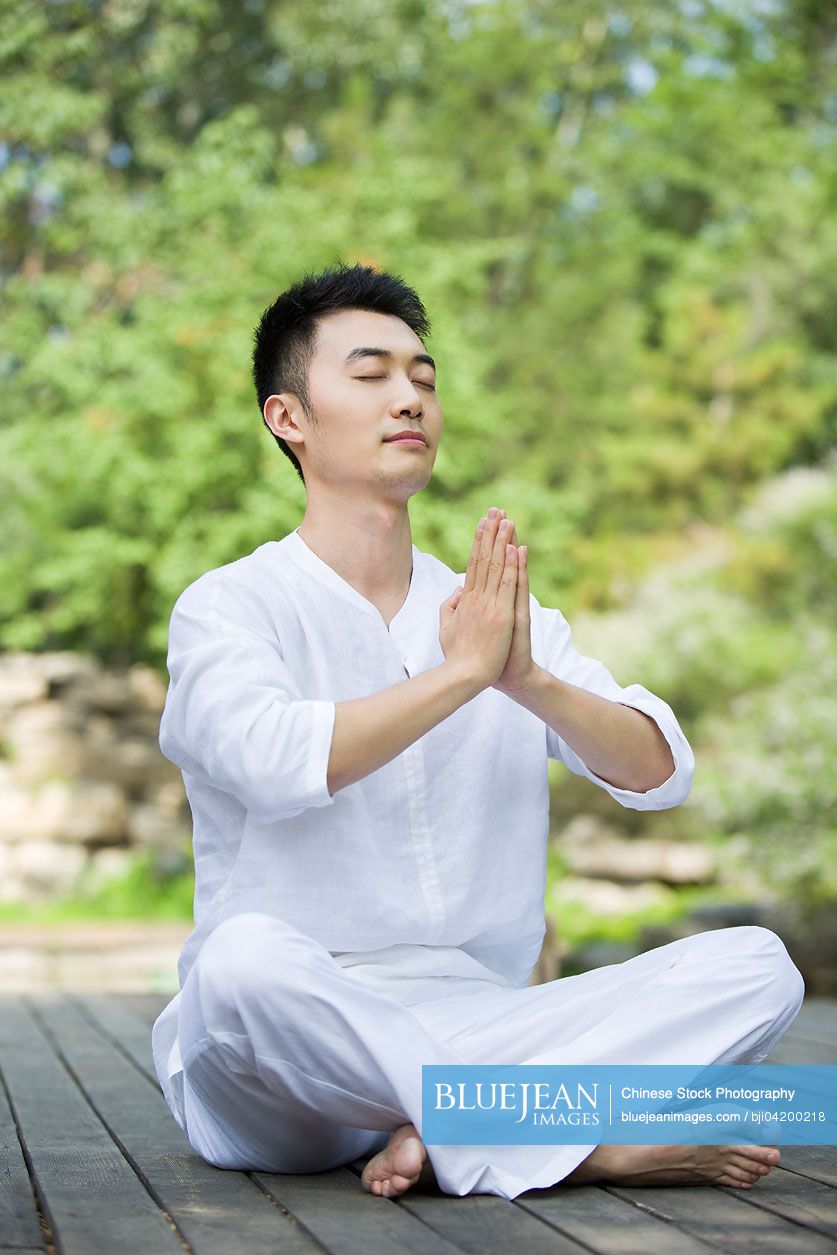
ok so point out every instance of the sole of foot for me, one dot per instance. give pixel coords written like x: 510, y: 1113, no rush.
x: 401, y: 1164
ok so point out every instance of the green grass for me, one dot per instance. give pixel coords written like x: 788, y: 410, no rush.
x: 151, y: 891
x: 147, y: 891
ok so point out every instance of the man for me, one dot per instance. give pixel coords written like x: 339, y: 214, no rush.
x: 364, y: 736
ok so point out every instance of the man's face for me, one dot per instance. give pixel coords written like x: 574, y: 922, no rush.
x: 362, y: 399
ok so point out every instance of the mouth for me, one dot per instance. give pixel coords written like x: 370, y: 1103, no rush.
x: 412, y: 440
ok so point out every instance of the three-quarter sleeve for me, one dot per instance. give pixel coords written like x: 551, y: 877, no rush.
x: 561, y: 659
x: 234, y: 717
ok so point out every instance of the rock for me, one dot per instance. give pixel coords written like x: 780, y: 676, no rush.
x: 638, y: 859
x: 108, y: 864
x: 65, y: 668
x: 82, y: 777
x: 149, y: 826
x: 147, y: 689
x: 105, y: 691
x: 43, y: 740
x: 20, y: 681
x: 603, y: 897
x: 598, y: 954
x: 132, y: 763
x: 93, y: 813
x: 46, y: 867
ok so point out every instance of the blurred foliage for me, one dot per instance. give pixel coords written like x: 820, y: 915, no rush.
x: 150, y: 889
x: 621, y: 219
x: 740, y: 638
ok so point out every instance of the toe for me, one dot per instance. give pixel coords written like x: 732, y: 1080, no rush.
x: 753, y: 1166
x: 738, y: 1185
x: 740, y: 1174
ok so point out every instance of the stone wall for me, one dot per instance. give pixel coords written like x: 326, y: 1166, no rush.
x: 83, y: 783
x: 82, y: 780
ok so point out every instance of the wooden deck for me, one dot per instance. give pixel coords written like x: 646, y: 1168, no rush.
x: 91, y: 1161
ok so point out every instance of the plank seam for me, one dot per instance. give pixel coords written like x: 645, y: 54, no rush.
x: 283, y: 1210
x: 742, y: 1196
x: 105, y: 1033
x: 41, y: 1207
x: 597, y: 1250
x: 68, y: 1068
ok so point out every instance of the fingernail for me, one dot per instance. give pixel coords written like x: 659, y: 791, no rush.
x: 505, y: 525
x: 492, y: 513
x: 480, y: 525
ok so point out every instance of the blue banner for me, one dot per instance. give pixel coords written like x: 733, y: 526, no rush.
x: 629, y: 1104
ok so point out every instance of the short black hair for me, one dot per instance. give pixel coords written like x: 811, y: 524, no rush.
x: 286, y: 336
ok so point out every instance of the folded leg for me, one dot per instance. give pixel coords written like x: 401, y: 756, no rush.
x: 293, y: 1065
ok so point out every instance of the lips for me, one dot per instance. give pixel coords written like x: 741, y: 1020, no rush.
x: 406, y: 435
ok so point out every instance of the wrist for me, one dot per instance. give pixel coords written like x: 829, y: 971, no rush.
x: 529, y: 689
x: 464, y: 676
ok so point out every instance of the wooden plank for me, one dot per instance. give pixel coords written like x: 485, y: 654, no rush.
x: 347, y: 1220
x: 719, y: 1217
x: 822, y: 1011
x: 817, y: 1162
x: 485, y: 1224
x: 90, y: 1195
x: 144, y: 1007
x: 607, y: 1224
x: 216, y: 1211
x: 793, y: 1052
x: 806, y: 1202
x: 130, y: 1025
x: 20, y: 1224
x: 128, y: 1033
x: 323, y: 1203
x: 805, y: 1039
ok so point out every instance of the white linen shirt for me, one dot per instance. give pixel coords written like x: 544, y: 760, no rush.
x: 432, y: 865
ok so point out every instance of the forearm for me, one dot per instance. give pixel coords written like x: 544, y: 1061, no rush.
x: 371, y: 731
x: 621, y: 745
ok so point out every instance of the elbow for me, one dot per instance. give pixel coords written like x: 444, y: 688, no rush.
x: 674, y: 791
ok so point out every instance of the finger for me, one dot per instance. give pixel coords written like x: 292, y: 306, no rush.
x: 471, y: 572
x: 497, y: 566
x: 521, y: 605
x: 508, y: 579
x: 523, y: 582
x: 521, y: 598
x: 486, y: 553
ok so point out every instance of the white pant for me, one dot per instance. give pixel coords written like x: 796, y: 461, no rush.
x: 294, y: 1064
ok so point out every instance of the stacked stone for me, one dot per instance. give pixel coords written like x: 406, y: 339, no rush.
x: 82, y: 780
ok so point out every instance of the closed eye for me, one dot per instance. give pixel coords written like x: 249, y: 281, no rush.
x: 423, y: 383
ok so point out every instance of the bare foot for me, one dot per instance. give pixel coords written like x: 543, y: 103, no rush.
x: 739, y: 1166
x: 403, y: 1162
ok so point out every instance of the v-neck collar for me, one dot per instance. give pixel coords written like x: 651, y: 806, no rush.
x: 399, y: 624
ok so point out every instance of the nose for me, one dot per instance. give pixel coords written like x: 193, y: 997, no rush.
x: 411, y: 407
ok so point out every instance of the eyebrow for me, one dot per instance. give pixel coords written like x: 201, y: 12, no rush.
x: 367, y: 352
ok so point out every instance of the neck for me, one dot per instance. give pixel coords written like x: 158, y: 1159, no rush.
x: 369, y: 546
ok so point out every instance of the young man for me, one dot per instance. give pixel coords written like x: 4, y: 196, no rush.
x: 364, y: 735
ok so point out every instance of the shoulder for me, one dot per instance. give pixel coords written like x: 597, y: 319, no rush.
x: 243, y: 584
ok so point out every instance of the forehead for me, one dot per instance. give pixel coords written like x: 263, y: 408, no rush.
x: 339, y: 333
